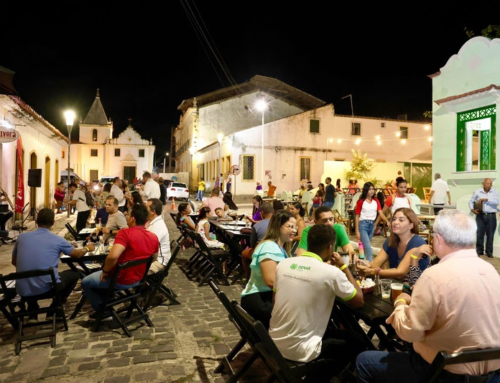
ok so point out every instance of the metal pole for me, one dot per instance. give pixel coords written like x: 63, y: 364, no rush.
x: 263, y: 171
x: 219, y: 158
x: 68, y: 207
x: 352, y: 110
x: 164, y: 163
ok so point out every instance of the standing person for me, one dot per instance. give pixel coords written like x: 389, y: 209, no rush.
x: 439, y: 192
x: 80, y: 202
x: 59, y: 195
x: 117, y: 192
x: 228, y: 182
x: 367, y: 211
x: 156, y: 225
x: 321, y: 187
x: 305, y: 289
x: 316, y: 202
x: 151, y: 189
x: 337, y: 186
x: 101, y: 199
x: 452, y: 308
x: 163, y: 190
x: 201, y: 189
x: 258, y: 187
x: 217, y: 182
x: 41, y: 249
x: 221, y: 182
x: 394, y: 183
x: 330, y: 193
x: 132, y: 243
x: 486, y: 219
x: 257, y: 297
x: 403, y: 244
x: 214, y: 201
x: 271, y: 189
x: 399, y: 199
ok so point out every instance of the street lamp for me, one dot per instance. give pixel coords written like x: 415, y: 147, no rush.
x: 219, y: 138
x: 70, y: 117
x: 166, y: 155
x: 261, y: 106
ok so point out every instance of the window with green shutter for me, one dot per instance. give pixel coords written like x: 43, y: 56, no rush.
x: 248, y: 168
x: 313, y: 126
x: 476, y: 139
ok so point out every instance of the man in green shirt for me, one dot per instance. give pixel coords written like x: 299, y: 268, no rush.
x: 323, y: 215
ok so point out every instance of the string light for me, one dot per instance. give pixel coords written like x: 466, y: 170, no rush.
x: 377, y: 138
x: 398, y: 134
x: 379, y: 142
x: 403, y: 142
x: 339, y: 141
x: 429, y: 139
x: 358, y: 141
x: 426, y: 127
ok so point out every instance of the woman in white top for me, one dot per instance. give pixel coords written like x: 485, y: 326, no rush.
x: 203, y: 227
x: 367, y: 210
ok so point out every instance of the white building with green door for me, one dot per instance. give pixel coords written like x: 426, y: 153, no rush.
x: 466, y: 96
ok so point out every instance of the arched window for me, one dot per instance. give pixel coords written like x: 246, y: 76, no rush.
x: 94, y: 135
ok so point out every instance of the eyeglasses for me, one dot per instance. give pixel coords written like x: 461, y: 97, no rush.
x: 291, y: 227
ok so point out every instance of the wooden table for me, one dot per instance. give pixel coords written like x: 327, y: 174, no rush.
x: 427, y: 218
x: 374, y: 313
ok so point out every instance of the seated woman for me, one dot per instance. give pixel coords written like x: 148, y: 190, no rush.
x: 182, y: 218
x: 298, y: 212
x: 403, y: 244
x: 134, y: 199
x: 203, y: 228
x: 257, y: 202
x: 229, y: 205
x: 257, y: 297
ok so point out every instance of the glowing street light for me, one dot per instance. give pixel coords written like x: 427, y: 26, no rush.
x: 70, y: 117
x: 261, y: 106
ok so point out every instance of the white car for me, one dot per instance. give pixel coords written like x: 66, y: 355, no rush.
x: 177, y: 190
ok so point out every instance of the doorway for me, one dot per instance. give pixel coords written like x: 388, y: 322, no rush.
x: 129, y: 173
x: 46, y: 187
x: 33, y: 160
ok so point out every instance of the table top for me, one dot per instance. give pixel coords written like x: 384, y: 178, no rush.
x: 424, y: 216
x: 230, y: 227
x: 87, y: 230
x: 375, y: 309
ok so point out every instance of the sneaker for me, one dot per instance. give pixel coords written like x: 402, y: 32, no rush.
x: 105, y: 318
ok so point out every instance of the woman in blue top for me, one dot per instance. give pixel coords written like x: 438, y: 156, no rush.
x: 257, y: 297
x: 403, y: 243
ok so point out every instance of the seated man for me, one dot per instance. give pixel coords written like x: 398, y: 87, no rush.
x: 454, y: 307
x: 132, y: 243
x: 305, y: 289
x: 156, y: 225
x: 323, y: 215
x: 116, y: 219
x: 41, y: 249
x: 214, y: 201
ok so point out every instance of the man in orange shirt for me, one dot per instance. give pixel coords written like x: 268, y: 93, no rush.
x: 271, y: 189
x: 453, y: 308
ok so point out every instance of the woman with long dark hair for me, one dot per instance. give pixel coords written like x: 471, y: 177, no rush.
x: 257, y: 201
x: 403, y: 243
x: 228, y: 200
x: 182, y: 218
x: 367, y: 210
x: 298, y: 212
x: 257, y: 297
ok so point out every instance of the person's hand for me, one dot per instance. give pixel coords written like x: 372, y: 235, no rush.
x: 103, y: 277
x: 475, y: 211
x: 339, y: 262
x: 424, y: 250
x: 90, y: 246
x: 358, y: 235
x: 483, y: 200
x: 364, y: 270
x: 353, y: 256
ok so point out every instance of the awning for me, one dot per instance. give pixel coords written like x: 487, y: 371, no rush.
x: 426, y: 155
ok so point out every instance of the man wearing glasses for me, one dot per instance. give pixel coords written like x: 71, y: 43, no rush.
x: 323, y: 215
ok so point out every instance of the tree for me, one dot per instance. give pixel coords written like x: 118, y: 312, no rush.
x: 360, y: 167
x: 491, y: 32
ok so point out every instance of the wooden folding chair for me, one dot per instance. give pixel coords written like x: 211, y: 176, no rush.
x: 155, y: 281
x: 113, y: 297
x: 213, y: 265
x: 344, y: 221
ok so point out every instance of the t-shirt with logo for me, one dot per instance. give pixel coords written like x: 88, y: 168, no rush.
x: 305, y: 289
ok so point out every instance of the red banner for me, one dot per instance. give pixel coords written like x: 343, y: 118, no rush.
x: 20, y: 177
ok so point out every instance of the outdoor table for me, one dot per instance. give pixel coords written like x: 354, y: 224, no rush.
x: 87, y: 230
x: 232, y: 229
x: 374, y: 313
x: 427, y: 218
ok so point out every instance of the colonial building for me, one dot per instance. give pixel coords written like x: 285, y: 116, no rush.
x: 289, y: 141
x: 42, y: 147
x: 97, y: 153
x: 466, y: 98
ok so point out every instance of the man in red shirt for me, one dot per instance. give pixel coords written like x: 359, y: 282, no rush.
x: 132, y: 243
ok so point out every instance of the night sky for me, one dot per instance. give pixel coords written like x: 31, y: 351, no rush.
x: 146, y: 59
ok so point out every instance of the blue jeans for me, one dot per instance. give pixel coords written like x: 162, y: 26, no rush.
x: 199, y: 195
x: 366, y: 229
x: 93, y: 281
x: 486, y: 224
x: 328, y: 204
x: 382, y: 366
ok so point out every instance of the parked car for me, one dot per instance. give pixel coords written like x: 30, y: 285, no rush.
x: 177, y: 190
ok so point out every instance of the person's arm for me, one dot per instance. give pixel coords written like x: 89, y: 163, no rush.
x: 190, y: 223
x: 352, y: 253
x: 430, y: 196
x: 357, y: 300
x: 378, y: 262
x: 492, y: 200
x: 414, y: 316
x: 78, y: 253
x: 206, y: 227
x: 300, y: 227
x: 14, y: 255
x: 268, y: 268
x: 111, y: 260
x: 253, y: 238
x: 471, y: 203
x: 303, y: 243
x: 382, y: 217
x: 449, y: 197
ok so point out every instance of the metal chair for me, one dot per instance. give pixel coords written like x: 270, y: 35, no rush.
x: 73, y: 232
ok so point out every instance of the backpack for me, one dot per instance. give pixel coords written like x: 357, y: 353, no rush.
x: 89, y: 199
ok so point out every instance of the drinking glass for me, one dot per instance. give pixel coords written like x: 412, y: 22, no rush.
x: 396, y: 288
x: 385, y: 285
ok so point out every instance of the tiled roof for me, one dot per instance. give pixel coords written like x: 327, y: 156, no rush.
x: 96, y: 114
x: 472, y: 92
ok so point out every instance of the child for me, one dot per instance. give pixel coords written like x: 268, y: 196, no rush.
x: 203, y: 228
x: 316, y: 203
x: 221, y: 214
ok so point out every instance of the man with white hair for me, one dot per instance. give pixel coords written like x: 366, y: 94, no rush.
x: 454, y: 307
